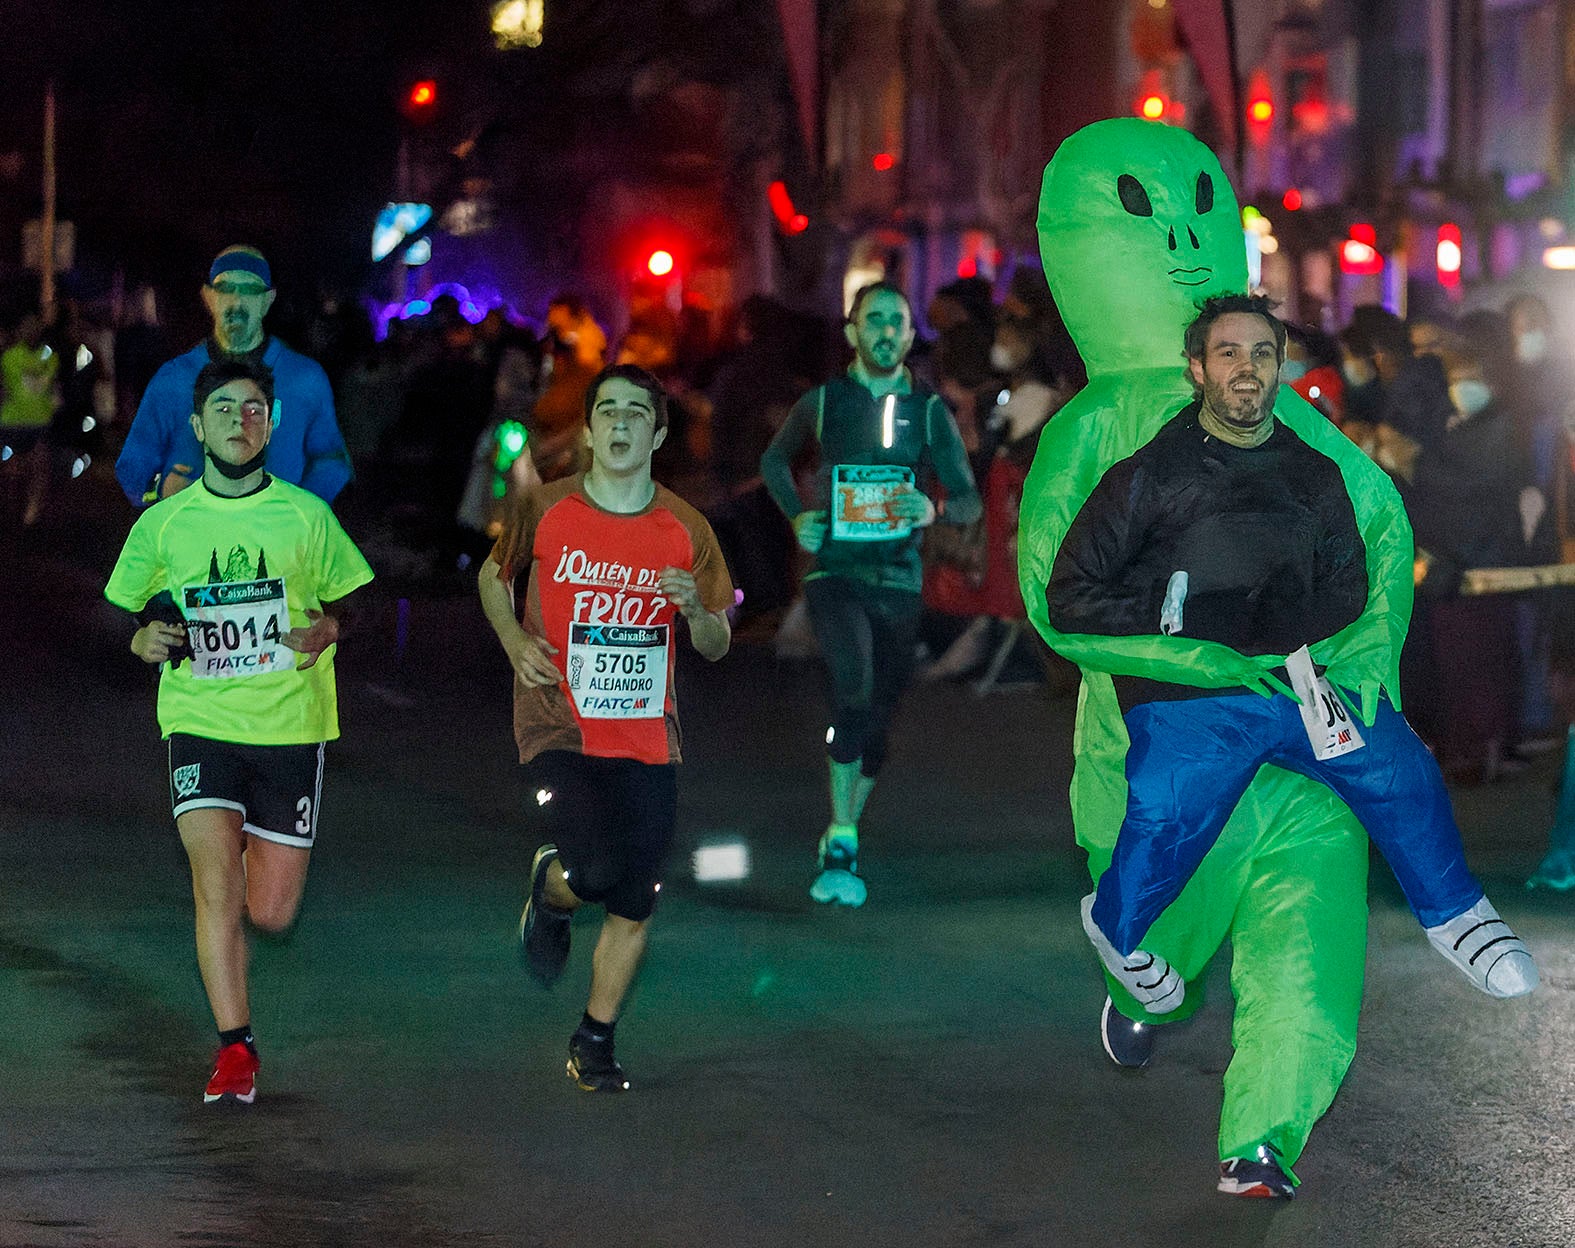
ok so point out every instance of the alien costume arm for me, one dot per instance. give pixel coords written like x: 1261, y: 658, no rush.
x: 1364, y: 657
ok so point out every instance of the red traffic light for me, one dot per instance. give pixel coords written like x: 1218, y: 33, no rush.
x: 1359, y: 253
x: 423, y: 95
x: 1448, y: 254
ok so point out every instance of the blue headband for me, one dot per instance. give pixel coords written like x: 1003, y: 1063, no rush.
x: 240, y: 262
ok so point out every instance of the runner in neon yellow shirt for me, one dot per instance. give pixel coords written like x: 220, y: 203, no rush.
x: 252, y: 571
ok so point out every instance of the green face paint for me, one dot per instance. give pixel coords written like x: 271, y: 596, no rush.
x: 1137, y: 225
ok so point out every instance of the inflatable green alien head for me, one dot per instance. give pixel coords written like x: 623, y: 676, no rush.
x: 1137, y: 225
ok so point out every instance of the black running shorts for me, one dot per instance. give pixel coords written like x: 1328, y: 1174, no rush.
x: 276, y: 788
x: 612, y: 820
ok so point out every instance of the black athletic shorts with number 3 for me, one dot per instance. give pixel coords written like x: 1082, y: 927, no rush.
x: 277, y: 788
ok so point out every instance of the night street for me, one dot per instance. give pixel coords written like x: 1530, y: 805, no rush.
x: 924, y: 1071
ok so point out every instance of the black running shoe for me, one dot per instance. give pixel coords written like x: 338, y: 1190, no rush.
x: 592, y: 1064
x: 1259, y: 1175
x: 544, y: 929
x: 1127, y: 1043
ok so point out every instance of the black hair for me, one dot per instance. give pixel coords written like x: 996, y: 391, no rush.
x: 218, y: 373
x: 1210, y: 310
x: 1373, y: 329
x: 1322, y: 350
x: 875, y: 288
x: 635, y: 375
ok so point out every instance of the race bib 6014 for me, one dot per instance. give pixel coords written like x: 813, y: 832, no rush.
x: 237, y: 628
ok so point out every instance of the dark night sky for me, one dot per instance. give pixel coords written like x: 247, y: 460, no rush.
x: 184, y: 125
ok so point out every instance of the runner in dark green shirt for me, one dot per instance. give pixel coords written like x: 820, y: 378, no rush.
x: 877, y: 433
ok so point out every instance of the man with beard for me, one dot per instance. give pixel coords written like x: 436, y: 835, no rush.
x: 162, y: 455
x: 1229, y: 530
x: 875, y: 430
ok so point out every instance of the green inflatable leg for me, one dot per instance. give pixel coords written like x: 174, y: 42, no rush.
x: 1287, y: 884
x: 1299, y: 943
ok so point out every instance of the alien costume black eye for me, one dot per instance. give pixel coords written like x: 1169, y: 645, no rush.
x: 1205, y: 193
x: 1133, y: 197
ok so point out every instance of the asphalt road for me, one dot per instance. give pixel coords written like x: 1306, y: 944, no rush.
x: 924, y: 1071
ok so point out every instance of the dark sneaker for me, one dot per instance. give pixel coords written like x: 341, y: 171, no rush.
x: 592, y: 1064
x: 234, y: 1076
x: 1258, y: 1175
x: 838, y: 881
x: 1127, y: 1043
x: 544, y: 929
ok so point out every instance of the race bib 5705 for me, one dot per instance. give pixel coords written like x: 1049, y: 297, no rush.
x: 618, y: 671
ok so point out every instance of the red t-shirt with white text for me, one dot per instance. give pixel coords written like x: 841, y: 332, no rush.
x: 593, y: 594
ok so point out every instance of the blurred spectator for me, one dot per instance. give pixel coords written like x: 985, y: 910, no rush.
x: 1466, y: 509
x: 1545, y: 394
x: 500, y: 471
x: 29, y: 375
x: 1396, y: 401
x: 752, y: 392
x: 973, y: 572
x: 371, y: 396
x: 1547, y: 410
x: 1312, y: 369
x: 140, y: 348
x: 427, y: 454
x: 577, y: 346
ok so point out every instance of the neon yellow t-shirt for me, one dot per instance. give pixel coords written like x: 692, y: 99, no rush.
x: 235, y: 566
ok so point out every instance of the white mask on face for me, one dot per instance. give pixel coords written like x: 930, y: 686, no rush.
x: 1532, y: 346
x: 1470, y: 396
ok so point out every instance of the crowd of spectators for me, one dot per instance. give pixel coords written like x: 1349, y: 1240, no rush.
x: 1468, y: 415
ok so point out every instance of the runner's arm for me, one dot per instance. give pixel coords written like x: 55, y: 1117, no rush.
x: 142, y: 458
x: 324, y: 628
x: 162, y: 632
x: 327, y: 469
x: 528, y: 656
x: 950, y: 457
x: 776, y: 465
x: 709, y: 631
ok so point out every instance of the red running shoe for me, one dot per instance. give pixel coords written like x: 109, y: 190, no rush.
x: 234, y: 1076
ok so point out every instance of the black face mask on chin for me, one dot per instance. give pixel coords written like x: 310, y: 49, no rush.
x: 236, y: 472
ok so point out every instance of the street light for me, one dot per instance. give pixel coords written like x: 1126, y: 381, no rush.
x: 517, y: 23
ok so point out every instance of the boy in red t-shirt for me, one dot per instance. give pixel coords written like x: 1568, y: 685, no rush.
x: 611, y: 559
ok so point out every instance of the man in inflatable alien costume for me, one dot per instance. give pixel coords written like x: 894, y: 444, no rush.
x: 1137, y: 226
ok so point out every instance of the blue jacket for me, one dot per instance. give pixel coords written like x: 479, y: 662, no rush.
x: 306, y: 449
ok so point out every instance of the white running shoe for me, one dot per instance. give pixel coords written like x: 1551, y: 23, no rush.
x: 1152, y: 981
x: 1487, y: 952
x: 838, y: 881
